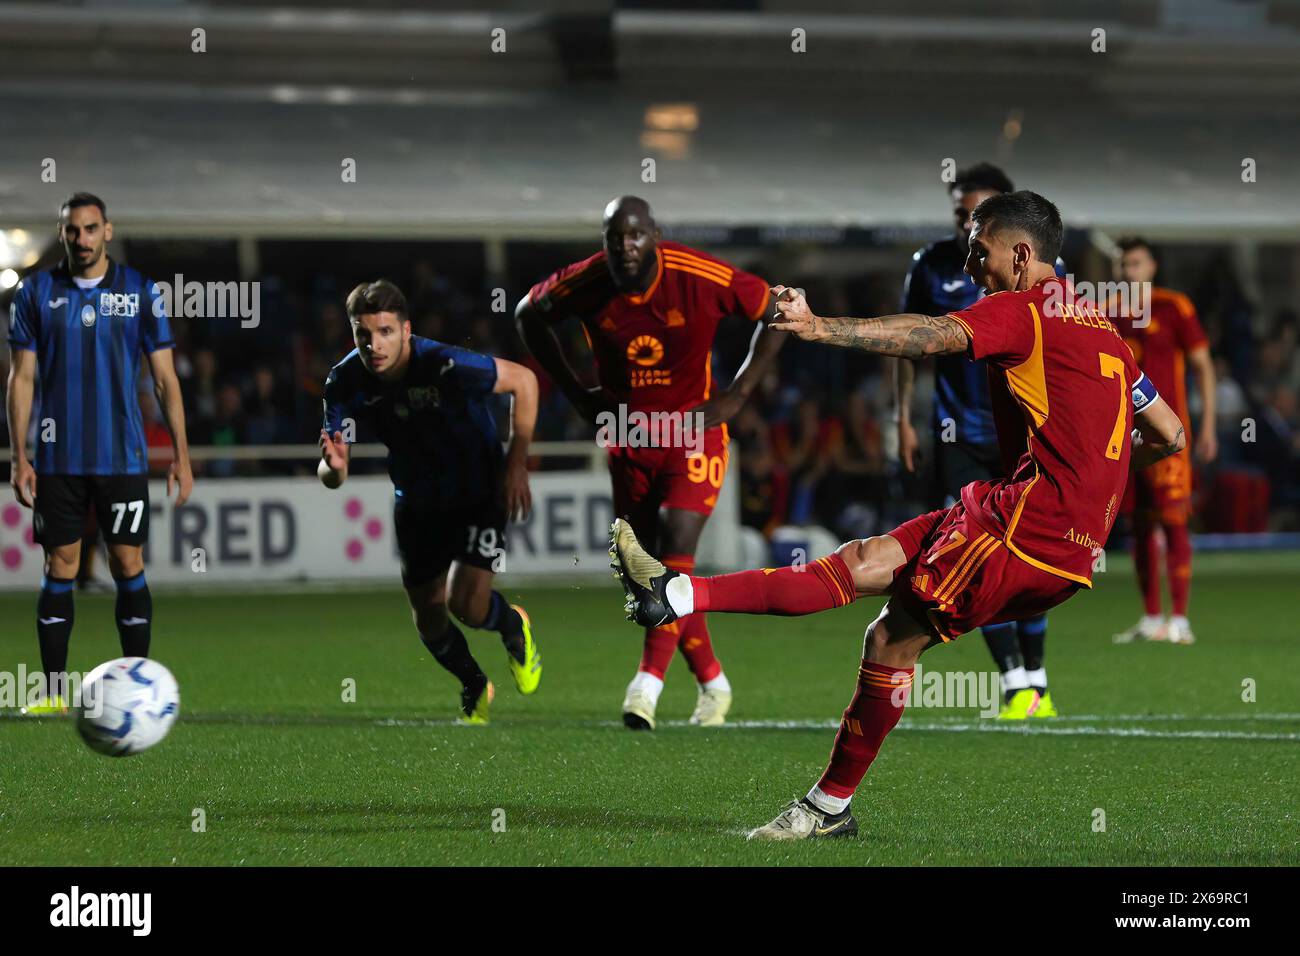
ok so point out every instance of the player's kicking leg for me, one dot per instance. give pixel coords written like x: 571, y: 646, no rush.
x: 475, y: 603
x: 679, y: 533
x: 657, y: 594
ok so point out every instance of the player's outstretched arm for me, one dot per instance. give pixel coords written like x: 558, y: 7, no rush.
x: 18, y: 403
x: 167, y: 388
x: 521, y: 384
x: 334, y: 454
x: 905, y: 336
x: 538, y: 334
x: 1158, y: 433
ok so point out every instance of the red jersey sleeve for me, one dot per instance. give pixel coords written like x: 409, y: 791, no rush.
x: 573, y: 290
x: 1001, y: 329
x: 1187, y: 327
x: 747, y: 295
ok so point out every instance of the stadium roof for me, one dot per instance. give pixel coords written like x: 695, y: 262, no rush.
x: 450, y: 138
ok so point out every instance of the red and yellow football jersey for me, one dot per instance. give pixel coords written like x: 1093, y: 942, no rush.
x: 1162, y: 345
x: 654, y: 350
x: 1070, y: 376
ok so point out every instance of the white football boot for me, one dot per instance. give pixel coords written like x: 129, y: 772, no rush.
x: 710, y: 708
x: 1148, y: 628
x: 1179, y: 631
x: 802, y: 821
x: 638, y: 709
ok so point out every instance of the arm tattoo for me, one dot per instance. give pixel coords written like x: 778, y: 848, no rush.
x: 1171, y: 448
x: 907, y: 336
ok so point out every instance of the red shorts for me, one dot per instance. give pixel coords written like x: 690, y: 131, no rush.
x: 958, y: 577
x: 646, y: 479
x: 1163, y: 490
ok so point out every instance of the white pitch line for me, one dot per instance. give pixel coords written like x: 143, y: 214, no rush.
x: 1035, y: 728
x: 1135, y: 718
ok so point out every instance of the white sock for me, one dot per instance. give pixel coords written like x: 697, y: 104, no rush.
x: 1179, y: 620
x: 1015, y: 679
x: 1150, y: 622
x: 825, y: 802
x: 1037, y: 678
x: 718, y: 683
x: 681, y: 595
x: 647, y: 682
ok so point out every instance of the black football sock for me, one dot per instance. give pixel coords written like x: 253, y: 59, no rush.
x: 1032, y: 636
x: 506, y: 621
x: 54, y: 615
x: 1001, y: 639
x: 134, y: 614
x: 451, y: 650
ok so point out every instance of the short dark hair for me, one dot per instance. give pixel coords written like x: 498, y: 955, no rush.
x: 378, y: 296
x: 83, y: 199
x: 981, y: 176
x: 1129, y: 243
x: 1025, y: 212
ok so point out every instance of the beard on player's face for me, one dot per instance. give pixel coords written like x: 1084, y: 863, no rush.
x: 84, y: 253
x: 630, y: 253
x: 633, y: 274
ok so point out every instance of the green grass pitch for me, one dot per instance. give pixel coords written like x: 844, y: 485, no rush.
x: 1157, y: 738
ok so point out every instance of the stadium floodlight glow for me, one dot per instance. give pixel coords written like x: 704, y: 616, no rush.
x: 18, y: 237
x: 672, y: 117
x: 8, y: 279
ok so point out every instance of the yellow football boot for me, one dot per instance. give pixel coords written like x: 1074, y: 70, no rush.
x: 528, y: 674
x: 1023, y: 704
x: 48, y: 707
x: 475, y: 711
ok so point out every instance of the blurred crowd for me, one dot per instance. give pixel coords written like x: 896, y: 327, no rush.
x: 816, y: 443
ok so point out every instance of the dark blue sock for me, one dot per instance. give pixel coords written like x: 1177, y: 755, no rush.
x: 54, y: 615
x: 134, y: 615
x: 1001, y: 639
x: 505, y: 620
x: 1032, y: 636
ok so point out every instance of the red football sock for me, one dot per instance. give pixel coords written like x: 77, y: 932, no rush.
x: 697, y: 648
x: 695, y: 644
x: 657, y: 652
x: 1146, y: 560
x: 798, y: 589
x: 1178, y: 556
x: 872, y: 714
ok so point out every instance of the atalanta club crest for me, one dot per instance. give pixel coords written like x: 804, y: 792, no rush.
x: 88, y: 316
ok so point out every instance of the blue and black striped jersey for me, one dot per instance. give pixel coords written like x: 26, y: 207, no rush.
x: 88, y: 344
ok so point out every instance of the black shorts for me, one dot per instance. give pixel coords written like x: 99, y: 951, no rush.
x: 430, y: 539
x: 957, y: 464
x: 120, y: 503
